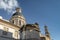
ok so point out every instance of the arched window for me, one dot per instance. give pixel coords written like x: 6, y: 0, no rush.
x: 16, y: 33
x: 13, y: 21
x: 19, y: 22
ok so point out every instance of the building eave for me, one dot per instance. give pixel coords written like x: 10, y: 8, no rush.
x: 9, y: 23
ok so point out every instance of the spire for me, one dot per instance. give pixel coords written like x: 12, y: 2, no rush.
x: 46, y: 31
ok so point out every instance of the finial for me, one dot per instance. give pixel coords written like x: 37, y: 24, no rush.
x: 36, y: 23
x: 46, y: 31
x: 46, y: 28
x: 18, y: 9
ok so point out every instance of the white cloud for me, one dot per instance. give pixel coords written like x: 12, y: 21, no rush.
x: 8, y: 5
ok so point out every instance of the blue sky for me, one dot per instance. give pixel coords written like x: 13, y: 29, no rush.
x: 41, y: 11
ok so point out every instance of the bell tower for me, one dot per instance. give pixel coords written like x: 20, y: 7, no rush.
x: 17, y: 18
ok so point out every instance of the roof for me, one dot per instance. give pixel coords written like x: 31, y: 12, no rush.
x: 17, y: 13
x: 3, y: 21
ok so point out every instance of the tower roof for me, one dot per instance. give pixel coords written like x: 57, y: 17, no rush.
x: 18, y: 12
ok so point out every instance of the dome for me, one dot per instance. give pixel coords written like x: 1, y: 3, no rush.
x: 17, y: 13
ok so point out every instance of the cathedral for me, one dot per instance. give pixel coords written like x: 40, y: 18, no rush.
x: 16, y: 28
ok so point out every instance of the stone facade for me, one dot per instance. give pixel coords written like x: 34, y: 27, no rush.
x: 7, y: 31
x: 17, y: 29
x: 30, y: 32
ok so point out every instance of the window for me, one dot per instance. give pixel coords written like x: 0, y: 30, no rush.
x: 5, y: 31
x: 23, y: 22
x: 20, y: 22
x: 12, y: 21
x: 16, y: 33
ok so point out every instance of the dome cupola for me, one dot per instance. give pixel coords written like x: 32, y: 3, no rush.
x: 17, y: 18
x: 18, y: 12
